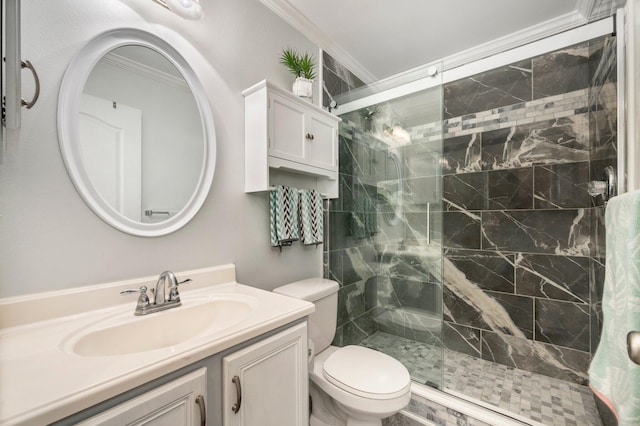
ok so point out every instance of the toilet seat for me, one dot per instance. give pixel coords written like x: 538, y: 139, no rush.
x: 367, y: 373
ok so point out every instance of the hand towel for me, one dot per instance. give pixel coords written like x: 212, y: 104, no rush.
x: 283, y: 206
x: 311, y: 217
x: 614, y: 378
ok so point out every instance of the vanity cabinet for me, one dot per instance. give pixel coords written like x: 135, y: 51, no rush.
x: 284, y: 133
x: 179, y: 402
x: 266, y: 384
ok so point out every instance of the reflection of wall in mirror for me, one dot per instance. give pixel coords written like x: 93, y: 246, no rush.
x: 172, y: 137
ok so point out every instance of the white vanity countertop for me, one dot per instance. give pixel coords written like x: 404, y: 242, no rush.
x: 42, y: 381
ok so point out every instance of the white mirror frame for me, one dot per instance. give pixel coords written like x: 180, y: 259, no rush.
x: 68, y: 129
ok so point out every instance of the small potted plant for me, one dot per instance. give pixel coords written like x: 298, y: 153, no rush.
x: 302, y: 67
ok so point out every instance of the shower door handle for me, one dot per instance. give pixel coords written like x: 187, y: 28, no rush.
x: 633, y: 346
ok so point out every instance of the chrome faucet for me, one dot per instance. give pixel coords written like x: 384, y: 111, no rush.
x: 166, y: 282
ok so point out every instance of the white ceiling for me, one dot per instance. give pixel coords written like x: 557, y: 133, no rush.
x: 379, y: 38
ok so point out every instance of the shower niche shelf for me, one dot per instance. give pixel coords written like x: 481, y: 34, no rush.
x: 288, y: 141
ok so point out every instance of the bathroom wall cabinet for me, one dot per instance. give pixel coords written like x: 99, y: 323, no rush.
x: 266, y: 384
x: 179, y: 402
x: 284, y: 133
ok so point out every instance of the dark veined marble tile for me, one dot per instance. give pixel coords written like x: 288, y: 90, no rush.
x: 603, y: 121
x: 381, y: 293
x: 418, y: 294
x: 563, y: 140
x: 488, y: 90
x: 335, y: 74
x: 334, y: 265
x: 520, y: 312
x: 414, y: 265
x: 488, y: 270
x: 553, y: 277
x: 562, y: 186
x: 346, y: 155
x: 461, y: 310
x: 563, y: 324
x: 416, y: 228
x: 422, y: 159
x: 510, y: 189
x: 351, y: 302
x: 563, y: 232
x: 597, y: 279
x: 461, y: 154
x: 338, y: 230
x: 419, y: 192
x: 598, y: 233
x: 349, y: 334
x: 461, y: 339
x: 461, y: 230
x: 563, y: 363
x: 465, y: 191
x: 358, y: 264
x: 561, y: 71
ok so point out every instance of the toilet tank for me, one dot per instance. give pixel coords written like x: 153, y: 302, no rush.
x: 323, y: 294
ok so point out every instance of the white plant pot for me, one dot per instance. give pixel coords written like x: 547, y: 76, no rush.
x: 303, y: 88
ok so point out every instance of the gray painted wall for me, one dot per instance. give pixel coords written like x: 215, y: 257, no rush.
x: 50, y: 240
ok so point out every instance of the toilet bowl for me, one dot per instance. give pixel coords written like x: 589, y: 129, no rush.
x: 349, y: 386
x: 364, y: 386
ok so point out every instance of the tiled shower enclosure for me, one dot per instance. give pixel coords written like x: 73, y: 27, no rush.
x: 464, y: 227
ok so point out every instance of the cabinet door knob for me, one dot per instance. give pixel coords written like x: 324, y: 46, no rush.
x: 309, y: 136
x: 236, y: 407
x: 203, y: 410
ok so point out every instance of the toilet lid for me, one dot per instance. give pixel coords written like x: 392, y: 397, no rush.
x: 367, y: 373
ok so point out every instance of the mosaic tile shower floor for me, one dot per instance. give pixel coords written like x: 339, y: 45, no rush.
x: 541, y: 398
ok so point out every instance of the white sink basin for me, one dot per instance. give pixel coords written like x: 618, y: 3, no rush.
x: 125, y: 333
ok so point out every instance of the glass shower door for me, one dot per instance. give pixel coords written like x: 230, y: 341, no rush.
x: 390, y: 218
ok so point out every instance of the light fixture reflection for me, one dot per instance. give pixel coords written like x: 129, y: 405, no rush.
x: 397, y: 134
x: 188, y: 9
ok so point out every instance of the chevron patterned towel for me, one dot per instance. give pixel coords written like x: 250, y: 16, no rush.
x: 311, y: 217
x: 283, y: 203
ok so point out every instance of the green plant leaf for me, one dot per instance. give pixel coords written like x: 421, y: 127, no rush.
x: 299, y: 65
x: 306, y: 66
x: 291, y: 59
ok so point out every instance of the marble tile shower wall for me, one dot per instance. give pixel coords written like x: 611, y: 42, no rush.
x: 523, y: 239
x: 522, y: 245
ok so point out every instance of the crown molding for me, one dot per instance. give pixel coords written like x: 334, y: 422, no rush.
x: 585, y: 7
x: 142, y: 69
x: 297, y: 20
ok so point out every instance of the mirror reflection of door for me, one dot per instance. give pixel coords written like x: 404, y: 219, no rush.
x: 172, y: 132
x: 111, y: 147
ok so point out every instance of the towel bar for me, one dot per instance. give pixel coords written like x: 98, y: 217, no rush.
x: 324, y: 196
x: 153, y: 212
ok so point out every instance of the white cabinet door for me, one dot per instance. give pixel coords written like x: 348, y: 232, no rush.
x: 286, y: 132
x: 298, y: 133
x: 177, y: 403
x: 321, y: 140
x: 266, y: 384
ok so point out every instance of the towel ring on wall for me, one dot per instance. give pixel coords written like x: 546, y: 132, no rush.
x: 607, y: 187
x: 36, y: 94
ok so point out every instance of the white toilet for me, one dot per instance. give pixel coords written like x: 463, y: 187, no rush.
x: 353, y: 386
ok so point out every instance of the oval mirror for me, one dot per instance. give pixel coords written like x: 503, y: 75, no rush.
x: 136, y: 132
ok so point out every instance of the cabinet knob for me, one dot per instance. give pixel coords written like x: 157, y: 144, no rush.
x: 309, y: 136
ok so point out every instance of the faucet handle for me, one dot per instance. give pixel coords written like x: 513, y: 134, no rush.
x: 174, y: 296
x: 143, y: 299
